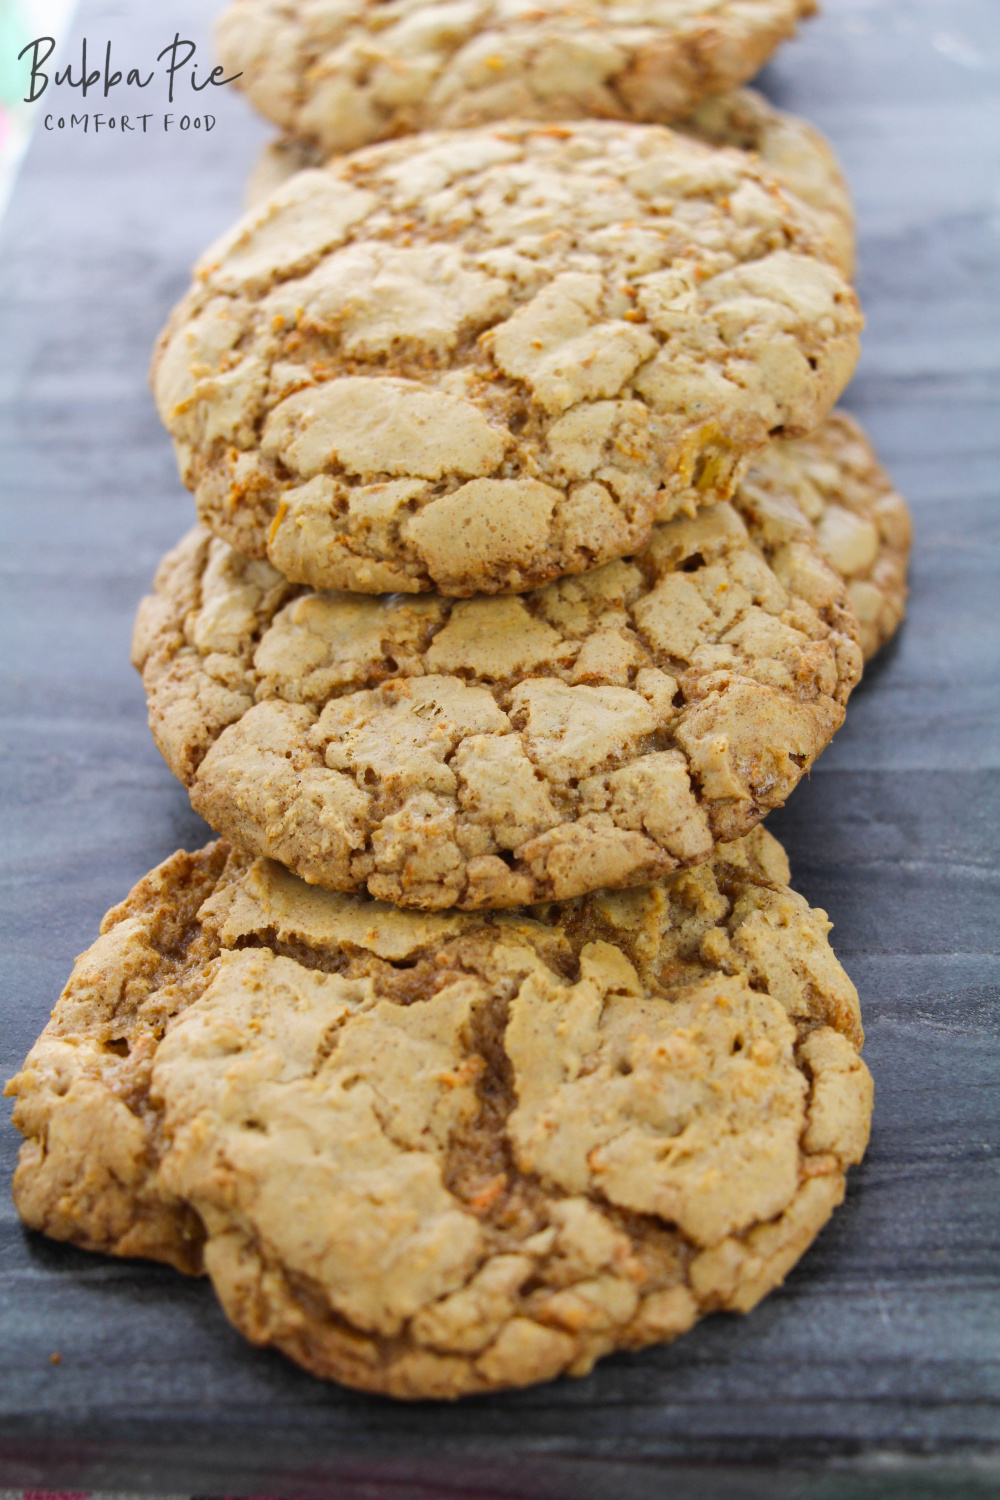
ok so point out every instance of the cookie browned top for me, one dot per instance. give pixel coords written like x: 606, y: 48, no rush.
x: 491, y: 751
x: 791, y: 150
x: 345, y: 75
x: 435, y: 1155
x: 481, y: 360
x: 834, y: 479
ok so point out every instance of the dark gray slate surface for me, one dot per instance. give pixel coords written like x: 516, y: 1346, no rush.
x: 876, y: 1370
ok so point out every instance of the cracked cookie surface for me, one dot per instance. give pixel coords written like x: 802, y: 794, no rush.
x: 489, y: 752
x: 435, y: 1155
x: 833, y: 478
x: 794, y: 152
x: 342, y: 76
x: 474, y: 362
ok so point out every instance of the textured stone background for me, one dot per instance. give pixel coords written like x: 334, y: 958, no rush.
x: 876, y: 1370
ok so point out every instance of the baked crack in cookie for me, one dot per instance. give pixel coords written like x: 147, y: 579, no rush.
x: 834, y: 480
x: 478, y: 361
x: 490, y: 752
x: 435, y: 1155
x: 342, y: 76
x: 794, y: 153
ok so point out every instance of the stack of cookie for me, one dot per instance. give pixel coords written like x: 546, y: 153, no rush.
x: 533, y: 570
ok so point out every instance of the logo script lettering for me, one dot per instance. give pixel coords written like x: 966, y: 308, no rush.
x: 178, y: 54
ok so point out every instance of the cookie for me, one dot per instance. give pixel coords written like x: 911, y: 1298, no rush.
x: 478, y: 361
x: 343, y: 76
x: 435, y: 1155
x: 489, y: 752
x: 790, y: 149
x: 794, y: 152
x: 833, y: 478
